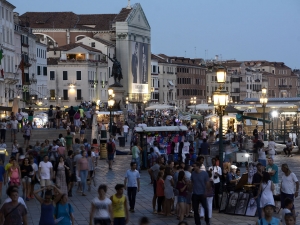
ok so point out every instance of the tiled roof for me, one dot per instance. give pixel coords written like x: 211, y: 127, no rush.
x: 72, y: 46
x: 182, y: 60
x: 158, y: 58
x: 103, y: 41
x: 67, y: 20
x: 122, y: 16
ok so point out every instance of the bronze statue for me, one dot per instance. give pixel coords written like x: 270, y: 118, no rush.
x: 116, y: 70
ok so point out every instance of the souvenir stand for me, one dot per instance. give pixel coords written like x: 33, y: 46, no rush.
x: 164, y: 135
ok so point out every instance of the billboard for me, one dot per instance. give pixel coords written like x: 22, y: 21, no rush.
x: 139, y: 67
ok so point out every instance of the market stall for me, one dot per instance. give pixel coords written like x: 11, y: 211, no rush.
x: 104, y: 115
x: 168, y: 138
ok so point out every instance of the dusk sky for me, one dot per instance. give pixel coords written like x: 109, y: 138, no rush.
x: 233, y: 29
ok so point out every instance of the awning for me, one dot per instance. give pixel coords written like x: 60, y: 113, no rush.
x: 240, y: 117
x: 171, y: 83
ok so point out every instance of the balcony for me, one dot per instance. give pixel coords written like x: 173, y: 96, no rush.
x: 64, y: 99
x: 52, y: 99
x: 78, y: 99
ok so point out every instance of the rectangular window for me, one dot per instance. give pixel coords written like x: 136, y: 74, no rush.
x: 78, y: 75
x: 52, y: 93
x: 52, y: 75
x: 38, y: 70
x: 78, y: 94
x: 45, y: 71
x: 93, y: 44
x: 26, y: 77
x: 65, y: 75
x: 65, y: 95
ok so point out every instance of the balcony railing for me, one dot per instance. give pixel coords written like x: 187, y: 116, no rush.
x: 65, y: 98
x: 78, y: 98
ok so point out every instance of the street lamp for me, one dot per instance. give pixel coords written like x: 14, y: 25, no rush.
x: 263, y: 101
x: 194, y: 101
x: 111, y: 103
x: 220, y: 99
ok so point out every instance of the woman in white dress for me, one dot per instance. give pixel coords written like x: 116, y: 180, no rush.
x: 271, y: 147
x: 266, y: 190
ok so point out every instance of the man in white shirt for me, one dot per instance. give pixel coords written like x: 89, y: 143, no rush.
x: 155, y: 148
x: 14, y: 128
x: 132, y: 184
x: 216, y: 174
x: 45, y: 172
x: 125, y: 131
x: 19, y: 117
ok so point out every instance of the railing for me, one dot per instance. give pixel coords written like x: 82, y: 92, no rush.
x: 78, y: 98
x: 65, y: 99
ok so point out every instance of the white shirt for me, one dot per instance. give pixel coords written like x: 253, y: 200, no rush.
x: 3, y: 145
x: 156, y: 150
x: 19, y: 116
x: 187, y: 175
x: 20, y: 200
x: 216, y: 169
x: 271, y: 147
x: 101, y: 206
x: 132, y: 177
x: 14, y: 124
x: 284, y: 211
x: 125, y: 128
x: 186, y: 148
x: 35, y: 169
x: 288, y: 183
x: 45, y: 170
x: 261, y: 154
x: 3, y: 125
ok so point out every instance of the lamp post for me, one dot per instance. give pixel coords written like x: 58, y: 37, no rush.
x: 220, y: 99
x: 263, y: 101
x: 194, y: 101
x: 111, y: 103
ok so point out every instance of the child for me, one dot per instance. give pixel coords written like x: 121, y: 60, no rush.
x: 289, y: 219
x: 288, y: 202
x: 119, y: 206
x: 160, y: 192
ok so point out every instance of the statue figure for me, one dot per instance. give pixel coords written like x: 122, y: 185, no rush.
x: 116, y: 70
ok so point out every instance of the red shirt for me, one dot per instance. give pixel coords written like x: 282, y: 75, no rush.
x: 160, y: 188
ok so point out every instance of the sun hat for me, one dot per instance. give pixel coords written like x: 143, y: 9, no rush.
x: 269, y: 204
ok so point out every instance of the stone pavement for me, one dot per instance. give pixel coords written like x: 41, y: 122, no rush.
x: 144, y: 197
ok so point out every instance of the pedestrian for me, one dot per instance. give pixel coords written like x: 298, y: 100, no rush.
x: 268, y: 219
x: 82, y: 130
x: 271, y: 147
x: 256, y: 180
x: 58, y: 116
x: 14, y: 128
x: 255, y: 133
x: 216, y: 173
x: 136, y: 155
x: 2, y: 177
x: 168, y: 191
x: 200, y: 182
x: 182, y: 188
x: 45, y: 172
x: 33, y: 176
x: 111, y: 148
x: 272, y: 169
x: 210, y: 193
x: 27, y: 129
x: 13, y: 212
x: 288, y: 149
x: 132, y: 184
x: 91, y: 165
x: 160, y: 193
x: 19, y: 117
x: 287, y: 187
x: 125, y: 130
x: 101, y: 208
x: 63, y: 212
x: 30, y: 115
x: 71, y: 114
x: 72, y: 172
x: 47, y: 204
x: 61, y: 175
x: 3, y: 148
x: 289, y: 219
x: 289, y: 203
x: 26, y: 169
x: 61, y: 150
x: 262, y: 155
x: 14, y: 173
x: 3, y: 126
x: 69, y: 141
x: 119, y: 206
x: 77, y: 120
x: 266, y: 190
x: 82, y: 169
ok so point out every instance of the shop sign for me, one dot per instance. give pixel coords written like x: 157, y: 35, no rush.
x: 250, y: 111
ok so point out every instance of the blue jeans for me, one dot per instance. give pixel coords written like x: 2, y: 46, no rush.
x: 137, y: 161
x: 258, y: 207
x: 196, y: 200
x: 131, y: 194
x: 83, y: 176
x: 125, y: 135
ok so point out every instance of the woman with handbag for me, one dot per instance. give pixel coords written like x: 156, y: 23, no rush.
x: 61, y: 175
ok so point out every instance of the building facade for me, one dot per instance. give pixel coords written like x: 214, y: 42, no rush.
x: 41, y: 72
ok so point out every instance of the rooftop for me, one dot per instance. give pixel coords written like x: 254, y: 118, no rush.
x: 72, y: 46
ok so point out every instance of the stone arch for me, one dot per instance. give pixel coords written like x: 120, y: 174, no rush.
x: 46, y: 39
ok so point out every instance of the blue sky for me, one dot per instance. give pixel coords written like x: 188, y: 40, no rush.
x: 234, y: 29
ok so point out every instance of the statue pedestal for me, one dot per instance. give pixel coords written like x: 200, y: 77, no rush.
x: 119, y: 95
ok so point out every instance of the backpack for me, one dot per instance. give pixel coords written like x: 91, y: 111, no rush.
x: 77, y: 116
x: 87, y: 146
x: 50, y: 113
x: 110, y: 147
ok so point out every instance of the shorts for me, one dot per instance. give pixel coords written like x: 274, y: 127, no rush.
x: 181, y: 199
x: 14, y: 131
x: 188, y: 198
x: 14, y: 181
x: 110, y: 156
x: 26, y: 137
x: 82, y: 131
x: 45, y: 182
x: 100, y: 221
x: 26, y: 179
x: 30, y: 118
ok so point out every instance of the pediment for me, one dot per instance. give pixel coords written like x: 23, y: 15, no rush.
x: 137, y: 17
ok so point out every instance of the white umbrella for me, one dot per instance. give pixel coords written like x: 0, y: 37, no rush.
x: 159, y: 107
x: 201, y: 107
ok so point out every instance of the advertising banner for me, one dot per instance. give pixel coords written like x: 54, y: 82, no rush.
x: 139, y: 67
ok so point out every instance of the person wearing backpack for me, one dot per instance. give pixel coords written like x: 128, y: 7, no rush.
x: 58, y: 117
x: 111, y: 148
x: 63, y: 212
